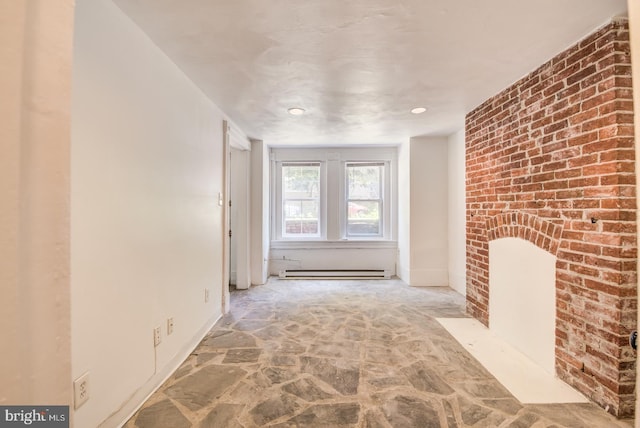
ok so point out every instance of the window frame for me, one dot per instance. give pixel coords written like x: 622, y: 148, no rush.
x: 277, y: 222
x: 380, y: 200
x: 282, y: 200
x: 333, y: 195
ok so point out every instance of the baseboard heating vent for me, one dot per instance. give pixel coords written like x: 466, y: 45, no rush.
x: 335, y: 274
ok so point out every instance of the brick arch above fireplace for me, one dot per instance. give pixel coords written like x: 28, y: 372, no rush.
x: 541, y: 233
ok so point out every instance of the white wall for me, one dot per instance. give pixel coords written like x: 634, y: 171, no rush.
x: 240, y: 256
x: 260, y: 239
x: 146, y: 228
x: 404, y: 212
x: 457, y: 213
x: 522, y: 298
x: 35, y: 82
x: 429, y: 206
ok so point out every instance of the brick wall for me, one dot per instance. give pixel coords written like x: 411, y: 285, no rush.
x: 551, y: 160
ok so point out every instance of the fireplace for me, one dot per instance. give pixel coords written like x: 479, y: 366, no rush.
x: 522, y: 298
x: 550, y: 180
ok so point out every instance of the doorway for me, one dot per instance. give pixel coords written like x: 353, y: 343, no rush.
x: 239, y: 255
x: 237, y: 262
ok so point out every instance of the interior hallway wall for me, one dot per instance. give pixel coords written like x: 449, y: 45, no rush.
x: 429, y: 199
x: 260, y: 220
x: 35, y: 103
x: 422, y: 212
x: 457, y: 213
x: 146, y: 227
x: 240, y: 212
x: 403, y: 265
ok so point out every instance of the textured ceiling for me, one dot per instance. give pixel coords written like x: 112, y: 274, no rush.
x: 359, y: 66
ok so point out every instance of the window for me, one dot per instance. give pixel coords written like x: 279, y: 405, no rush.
x: 364, y: 199
x: 328, y: 196
x: 300, y: 200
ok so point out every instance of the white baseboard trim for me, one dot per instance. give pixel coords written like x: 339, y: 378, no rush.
x: 138, y: 398
x: 458, y: 282
x: 404, y: 274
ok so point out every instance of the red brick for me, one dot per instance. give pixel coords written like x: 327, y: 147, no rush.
x: 582, y: 74
x: 545, y: 157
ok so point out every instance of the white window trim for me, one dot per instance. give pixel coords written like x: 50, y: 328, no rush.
x: 277, y: 220
x: 333, y: 225
x: 385, y: 212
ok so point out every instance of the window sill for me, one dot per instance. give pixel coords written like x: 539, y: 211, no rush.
x: 343, y: 243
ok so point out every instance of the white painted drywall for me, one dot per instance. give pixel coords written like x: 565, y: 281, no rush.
x: 457, y: 213
x: 146, y: 227
x: 240, y: 257
x: 403, y: 268
x: 522, y: 298
x: 429, y: 206
x: 260, y: 239
x: 634, y: 35
x: 35, y: 103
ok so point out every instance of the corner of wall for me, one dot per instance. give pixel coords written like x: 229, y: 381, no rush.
x: 428, y: 211
x: 634, y: 33
x: 404, y: 212
x: 457, y: 212
x: 260, y: 212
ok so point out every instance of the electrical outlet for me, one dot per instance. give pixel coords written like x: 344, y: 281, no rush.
x: 169, y: 326
x: 156, y: 336
x: 80, y: 390
x: 206, y: 295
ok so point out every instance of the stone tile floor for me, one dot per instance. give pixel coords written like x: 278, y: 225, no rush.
x: 343, y: 354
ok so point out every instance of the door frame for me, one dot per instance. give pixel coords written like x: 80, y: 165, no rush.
x: 235, y: 139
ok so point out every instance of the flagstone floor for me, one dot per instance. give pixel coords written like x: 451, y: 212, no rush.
x: 363, y: 354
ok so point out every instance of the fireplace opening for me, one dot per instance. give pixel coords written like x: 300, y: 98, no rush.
x: 522, y: 299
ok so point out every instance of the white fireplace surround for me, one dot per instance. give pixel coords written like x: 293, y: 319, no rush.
x: 522, y: 298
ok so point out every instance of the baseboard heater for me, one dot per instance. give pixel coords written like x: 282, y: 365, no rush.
x: 334, y: 274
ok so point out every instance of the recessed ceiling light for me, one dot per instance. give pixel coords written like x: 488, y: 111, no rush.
x: 296, y: 111
x: 418, y: 110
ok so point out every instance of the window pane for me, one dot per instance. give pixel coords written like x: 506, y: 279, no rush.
x: 301, y: 227
x: 363, y: 218
x: 300, y: 182
x: 301, y: 217
x: 301, y: 200
x: 364, y: 181
x: 364, y: 199
x: 301, y: 209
